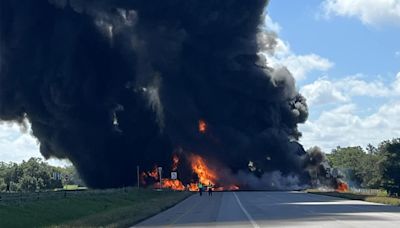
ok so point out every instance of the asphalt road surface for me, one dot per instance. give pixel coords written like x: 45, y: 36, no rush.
x: 274, y: 209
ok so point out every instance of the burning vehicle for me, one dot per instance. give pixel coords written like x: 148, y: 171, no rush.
x: 112, y: 84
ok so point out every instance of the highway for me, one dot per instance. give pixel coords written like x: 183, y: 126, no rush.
x: 274, y: 209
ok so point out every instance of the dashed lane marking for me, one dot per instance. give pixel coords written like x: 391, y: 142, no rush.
x: 255, y: 225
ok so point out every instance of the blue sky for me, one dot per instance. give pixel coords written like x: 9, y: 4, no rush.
x: 351, y: 45
x: 345, y: 56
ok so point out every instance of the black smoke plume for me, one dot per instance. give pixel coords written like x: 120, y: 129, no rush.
x: 119, y: 83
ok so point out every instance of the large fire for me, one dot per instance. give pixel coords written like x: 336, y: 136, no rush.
x: 192, y: 187
x: 342, y: 187
x: 206, y: 175
x: 173, y: 184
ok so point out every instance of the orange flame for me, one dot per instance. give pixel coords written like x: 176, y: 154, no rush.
x: 192, y: 187
x: 342, y: 187
x: 204, y: 173
x: 175, y: 162
x: 202, y: 126
x: 172, y: 184
x: 207, y: 176
x: 154, y: 173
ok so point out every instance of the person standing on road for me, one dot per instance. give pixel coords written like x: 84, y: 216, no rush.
x: 200, y: 185
x: 210, y: 190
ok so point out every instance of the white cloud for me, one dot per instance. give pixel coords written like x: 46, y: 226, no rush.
x: 271, y: 25
x: 396, y: 85
x: 324, y: 91
x: 17, y: 145
x: 300, y: 65
x: 279, y: 54
x: 358, y: 87
x: 343, y: 127
x: 370, y: 12
x: 345, y: 124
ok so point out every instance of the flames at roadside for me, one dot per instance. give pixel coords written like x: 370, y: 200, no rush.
x: 195, y: 169
x: 342, y: 187
x: 206, y: 175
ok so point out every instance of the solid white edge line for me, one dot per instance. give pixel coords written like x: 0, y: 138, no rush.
x: 255, y: 225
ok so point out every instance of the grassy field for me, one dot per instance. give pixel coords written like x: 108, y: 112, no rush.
x: 110, y: 208
x: 358, y: 196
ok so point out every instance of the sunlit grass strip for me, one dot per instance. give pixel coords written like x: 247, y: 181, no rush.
x: 113, y: 207
x: 358, y: 196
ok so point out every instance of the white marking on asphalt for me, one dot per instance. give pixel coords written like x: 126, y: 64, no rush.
x: 255, y: 225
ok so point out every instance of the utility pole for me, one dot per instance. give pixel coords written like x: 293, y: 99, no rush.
x: 159, y: 174
x: 137, y: 176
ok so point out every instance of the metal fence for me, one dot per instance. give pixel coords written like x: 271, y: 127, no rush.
x: 7, y: 197
x: 366, y: 191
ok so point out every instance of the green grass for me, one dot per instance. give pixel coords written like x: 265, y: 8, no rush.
x: 111, y: 208
x: 379, y: 198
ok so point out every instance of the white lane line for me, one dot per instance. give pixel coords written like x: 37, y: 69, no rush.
x: 255, y: 225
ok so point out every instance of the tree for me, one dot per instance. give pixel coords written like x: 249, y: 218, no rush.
x: 391, y: 164
x: 371, y: 149
x: 35, y: 174
x: 3, y: 170
x: 372, y: 170
x: 348, y: 160
x: 363, y: 169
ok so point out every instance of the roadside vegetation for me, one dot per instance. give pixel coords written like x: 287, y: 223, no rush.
x: 372, y: 168
x: 36, y: 175
x: 111, y: 208
x: 375, y: 198
x: 372, y: 174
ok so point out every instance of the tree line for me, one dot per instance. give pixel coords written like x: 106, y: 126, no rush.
x: 36, y: 175
x: 373, y: 167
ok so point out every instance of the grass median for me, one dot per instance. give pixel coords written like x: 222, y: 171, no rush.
x: 109, y: 208
x: 359, y: 196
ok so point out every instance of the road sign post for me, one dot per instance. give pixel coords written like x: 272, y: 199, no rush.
x: 137, y: 176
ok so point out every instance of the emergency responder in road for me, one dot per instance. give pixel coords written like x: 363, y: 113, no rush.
x: 200, y: 185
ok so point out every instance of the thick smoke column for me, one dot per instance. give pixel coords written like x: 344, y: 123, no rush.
x: 113, y: 84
